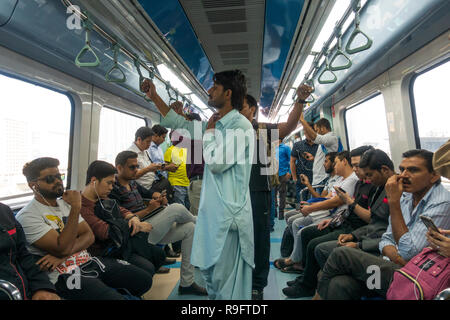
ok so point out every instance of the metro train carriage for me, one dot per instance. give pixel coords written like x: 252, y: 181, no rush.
x: 76, y: 81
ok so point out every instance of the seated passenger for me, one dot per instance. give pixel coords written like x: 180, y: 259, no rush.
x: 415, y: 191
x: 362, y: 191
x: 59, y: 236
x: 146, y: 173
x: 172, y: 224
x: 378, y: 168
x: 18, y: 264
x: 118, y: 232
x: 316, y: 212
x: 313, y: 237
x: 327, y: 192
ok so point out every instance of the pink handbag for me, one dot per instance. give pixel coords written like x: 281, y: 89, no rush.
x: 422, y: 278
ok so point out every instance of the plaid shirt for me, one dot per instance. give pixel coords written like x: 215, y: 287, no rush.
x: 128, y: 199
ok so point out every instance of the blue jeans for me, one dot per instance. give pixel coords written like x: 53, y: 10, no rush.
x: 181, y: 196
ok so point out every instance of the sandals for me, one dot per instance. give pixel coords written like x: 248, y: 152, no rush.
x: 280, y: 264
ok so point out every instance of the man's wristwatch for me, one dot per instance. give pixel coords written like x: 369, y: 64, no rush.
x: 351, y: 207
x: 300, y: 101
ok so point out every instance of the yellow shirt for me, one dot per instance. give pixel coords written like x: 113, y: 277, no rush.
x: 179, y: 157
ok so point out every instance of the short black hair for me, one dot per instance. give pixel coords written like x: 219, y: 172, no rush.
x: 32, y: 170
x: 194, y: 116
x: 360, y: 151
x: 143, y: 133
x: 345, y: 155
x: 252, y: 103
x: 421, y: 153
x: 99, y: 169
x: 374, y: 159
x: 159, y: 130
x: 235, y: 81
x: 331, y: 155
x: 123, y: 157
x: 324, y: 123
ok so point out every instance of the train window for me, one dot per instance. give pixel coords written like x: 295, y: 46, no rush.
x: 362, y: 130
x: 116, y: 134
x: 34, y: 122
x: 430, y: 99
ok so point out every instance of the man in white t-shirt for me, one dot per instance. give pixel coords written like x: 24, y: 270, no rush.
x: 146, y: 173
x: 57, y: 233
x: 327, y: 141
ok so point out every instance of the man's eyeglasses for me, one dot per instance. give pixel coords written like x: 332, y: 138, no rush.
x: 133, y: 167
x: 51, y: 178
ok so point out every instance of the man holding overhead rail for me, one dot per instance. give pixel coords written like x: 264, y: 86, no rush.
x: 260, y: 182
x: 223, y: 238
x: 327, y: 141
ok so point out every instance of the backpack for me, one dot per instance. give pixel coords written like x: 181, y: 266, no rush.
x: 422, y: 278
x: 340, y: 147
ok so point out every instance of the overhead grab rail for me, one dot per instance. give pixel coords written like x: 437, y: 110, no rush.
x: 356, y: 4
x: 87, y: 25
x: 321, y: 79
x: 339, y: 53
x: 109, y: 75
x: 90, y: 26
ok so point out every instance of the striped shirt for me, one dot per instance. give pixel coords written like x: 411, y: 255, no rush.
x: 435, y: 205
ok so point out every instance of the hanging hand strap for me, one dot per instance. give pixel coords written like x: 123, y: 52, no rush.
x: 88, y: 26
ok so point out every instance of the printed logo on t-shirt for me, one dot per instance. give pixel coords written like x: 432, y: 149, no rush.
x: 55, y: 222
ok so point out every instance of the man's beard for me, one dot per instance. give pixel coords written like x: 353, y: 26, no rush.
x: 52, y: 194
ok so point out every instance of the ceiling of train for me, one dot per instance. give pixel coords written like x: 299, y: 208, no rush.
x: 254, y: 36
x: 272, y: 41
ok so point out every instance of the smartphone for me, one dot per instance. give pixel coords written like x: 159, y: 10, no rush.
x: 341, y: 190
x: 429, y: 223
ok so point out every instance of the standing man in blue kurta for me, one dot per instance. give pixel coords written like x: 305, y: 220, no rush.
x: 223, y: 238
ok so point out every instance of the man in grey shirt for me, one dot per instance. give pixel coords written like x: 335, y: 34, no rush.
x: 327, y: 141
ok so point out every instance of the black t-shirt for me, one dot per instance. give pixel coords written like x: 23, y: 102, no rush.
x: 363, y: 193
x: 258, y: 181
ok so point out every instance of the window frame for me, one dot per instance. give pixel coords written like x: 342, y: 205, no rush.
x: 71, y: 129
x: 367, y: 98
x: 413, y: 101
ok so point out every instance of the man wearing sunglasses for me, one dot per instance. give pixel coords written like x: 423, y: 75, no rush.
x: 57, y: 233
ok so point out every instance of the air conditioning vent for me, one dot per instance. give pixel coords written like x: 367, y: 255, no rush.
x: 210, y: 4
x: 226, y: 15
x: 233, y: 47
x: 236, y: 61
x: 229, y: 27
x: 234, y: 55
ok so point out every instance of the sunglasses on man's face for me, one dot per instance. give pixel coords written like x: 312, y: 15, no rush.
x: 51, y: 178
x: 134, y: 167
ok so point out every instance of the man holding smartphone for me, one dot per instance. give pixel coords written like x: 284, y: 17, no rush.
x: 415, y: 191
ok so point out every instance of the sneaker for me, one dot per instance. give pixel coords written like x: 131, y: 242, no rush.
x: 257, y: 294
x: 192, y: 289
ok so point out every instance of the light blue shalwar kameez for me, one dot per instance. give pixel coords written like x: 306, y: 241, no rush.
x: 223, y: 240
